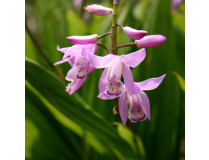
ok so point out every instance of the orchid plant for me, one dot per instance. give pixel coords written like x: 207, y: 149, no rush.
x: 81, y: 56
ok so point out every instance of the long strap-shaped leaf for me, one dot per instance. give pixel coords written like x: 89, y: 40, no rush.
x: 52, y: 89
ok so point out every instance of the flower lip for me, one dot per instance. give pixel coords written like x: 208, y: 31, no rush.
x: 133, y: 33
x: 114, y: 88
x: 98, y: 9
x: 136, y: 115
x: 136, y: 111
x: 83, y: 39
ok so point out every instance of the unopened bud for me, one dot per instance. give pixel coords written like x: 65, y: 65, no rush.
x: 83, y: 39
x: 133, y: 33
x: 150, y: 41
x: 98, y: 9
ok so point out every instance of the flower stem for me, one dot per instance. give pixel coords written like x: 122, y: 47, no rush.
x: 114, y: 26
x: 99, y: 37
x: 127, y: 45
x: 119, y: 26
x: 102, y: 45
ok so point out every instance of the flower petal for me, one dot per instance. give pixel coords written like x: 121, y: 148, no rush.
x: 101, y: 62
x: 83, y: 39
x: 133, y: 33
x: 90, y: 69
x: 72, y: 73
x: 151, y: 83
x: 78, y: 83
x: 62, y: 61
x: 145, y: 103
x: 123, y: 108
x: 128, y: 79
x: 80, y: 61
x: 116, y: 69
x: 150, y: 41
x: 102, y: 81
x: 135, y: 58
x: 71, y: 51
x: 105, y: 96
x: 88, y: 49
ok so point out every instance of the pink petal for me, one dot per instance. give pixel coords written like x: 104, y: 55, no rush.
x: 133, y: 33
x: 88, y: 49
x: 98, y: 10
x: 71, y: 51
x: 151, y: 83
x: 135, y: 58
x: 145, y: 103
x: 116, y: 69
x: 63, y: 50
x: 90, y: 69
x: 150, y: 41
x: 102, y: 81
x: 62, y: 61
x: 83, y: 39
x: 80, y: 61
x: 77, y: 85
x: 128, y: 79
x: 72, y: 73
x: 72, y: 61
x: 101, y: 62
x: 123, y: 108
x: 105, y: 96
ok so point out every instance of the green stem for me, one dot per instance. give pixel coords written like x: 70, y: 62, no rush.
x: 127, y: 45
x: 99, y: 37
x: 106, y: 49
x: 114, y: 26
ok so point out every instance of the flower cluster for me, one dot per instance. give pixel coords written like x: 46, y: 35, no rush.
x: 133, y: 102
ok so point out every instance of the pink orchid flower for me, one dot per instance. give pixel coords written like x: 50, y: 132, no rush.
x: 98, y: 9
x: 110, y: 85
x: 139, y: 105
x: 79, y: 60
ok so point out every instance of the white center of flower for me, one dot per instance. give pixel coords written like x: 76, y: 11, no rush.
x: 81, y: 73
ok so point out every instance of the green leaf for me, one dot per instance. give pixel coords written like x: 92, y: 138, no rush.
x: 51, y: 90
x: 179, y: 20
x: 44, y: 137
x: 76, y: 24
x: 180, y: 80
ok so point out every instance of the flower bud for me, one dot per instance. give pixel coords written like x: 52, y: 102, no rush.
x: 150, y: 41
x: 98, y: 9
x: 133, y: 33
x: 83, y: 39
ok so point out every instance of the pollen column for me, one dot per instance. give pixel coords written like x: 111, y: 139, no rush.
x: 114, y: 26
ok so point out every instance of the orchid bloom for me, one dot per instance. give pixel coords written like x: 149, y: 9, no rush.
x: 150, y: 41
x: 79, y: 60
x: 110, y: 85
x: 98, y: 9
x: 139, y: 105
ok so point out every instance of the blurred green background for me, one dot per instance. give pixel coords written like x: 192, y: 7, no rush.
x: 59, y: 126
